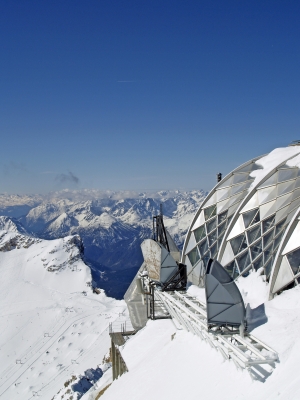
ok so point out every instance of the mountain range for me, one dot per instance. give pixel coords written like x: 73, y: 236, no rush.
x: 111, y: 225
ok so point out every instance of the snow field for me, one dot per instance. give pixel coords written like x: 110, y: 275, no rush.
x: 52, y: 326
x: 187, y: 367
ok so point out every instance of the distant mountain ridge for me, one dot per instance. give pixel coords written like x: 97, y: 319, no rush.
x: 111, y: 226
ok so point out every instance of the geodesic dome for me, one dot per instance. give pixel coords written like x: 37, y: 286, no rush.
x: 251, y: 221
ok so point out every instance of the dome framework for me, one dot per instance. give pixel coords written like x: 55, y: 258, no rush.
x: 249, y: 220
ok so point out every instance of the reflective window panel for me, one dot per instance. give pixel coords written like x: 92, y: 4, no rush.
x: 258, y: 263
x: 199, y: 233
x: 193, y: 256
x: 238, y: 243
x: 222, y: 217
x: 256, y: 249
x: 294, y: 260
x: 268, y: 223
x: 210, y: 212
x: 203, y: 247
x: 211, y: 225
x: 248, y: 217
x: 253, y: 234
x: 267, y: 239
x: 212, y: 237
x: 243, y: 261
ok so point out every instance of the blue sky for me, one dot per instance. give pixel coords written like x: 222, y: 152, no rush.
x: 143, y: 94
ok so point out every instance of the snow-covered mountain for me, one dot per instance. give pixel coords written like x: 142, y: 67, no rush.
x: 111, y: 225
x: 53, y: 326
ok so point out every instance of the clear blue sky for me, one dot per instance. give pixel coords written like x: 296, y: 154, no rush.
x: 143, y: 94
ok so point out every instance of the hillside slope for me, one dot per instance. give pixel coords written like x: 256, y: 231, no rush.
x: 52, y: 324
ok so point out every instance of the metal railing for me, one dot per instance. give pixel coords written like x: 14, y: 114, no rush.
x: 246, y: 351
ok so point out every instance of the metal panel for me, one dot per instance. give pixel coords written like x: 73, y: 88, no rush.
x: 225, y: 305
x: 152, y: 256
x: 135, y: 302
x: 238, y: 228
x: 285, y: 275
x: 294, y: 240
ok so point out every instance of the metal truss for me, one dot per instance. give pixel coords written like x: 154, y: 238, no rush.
x: 245, y: 350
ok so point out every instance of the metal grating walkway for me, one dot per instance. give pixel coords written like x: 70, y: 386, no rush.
x: 247, y: 352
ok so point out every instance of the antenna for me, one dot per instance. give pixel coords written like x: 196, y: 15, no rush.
x: 159, y: 231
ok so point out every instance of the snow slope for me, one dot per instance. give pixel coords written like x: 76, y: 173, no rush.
x: 52, y: 324
x: 186, y: 367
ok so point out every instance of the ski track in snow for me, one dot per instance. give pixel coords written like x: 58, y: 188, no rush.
x: 52, y: 325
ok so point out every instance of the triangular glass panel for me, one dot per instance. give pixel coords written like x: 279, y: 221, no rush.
x: 205, y: 260
x: 256, y: 249
x: 212, y: 237
x: 293, y: 205
x: 232, y: 209
x: 193, y: 256
x: 287, y: 174
x: 222, y: 217
x: 267, y: 254
x: 236, y: 199
x: 268, y: 267
x: 237, y: 242
x: 267, y: 194
x: 199, y: 233
x: 226, y: 182
x: 209, y: 212
x: 277, y: 240
x: 243, y: 261
x: 270, y: 181
x: 255, y: 219
x: 248, y: 217
x: 203, y: 247
x: 211, y: 225
x: 268, y: 223
x: 220, y: 238
x: 296, y: 194
x: 280, y: 226
x: 253, y: 234
x: 248, y: 168
x: 297, y: 185
x: 244, y: 244
x: 213, y: 251
x: 285, y: 187
x: 237, y: 178
x: 230, y: 268
x: 229, y: 219
x: 283, y: 200
x: 267, y: 239
x: 258, y: 264
x: 223, y: 194
x: 222, y: 206
x: 238, y: 188
x: 236, y: 272
x: 294, y: 260
x: 221, y: 228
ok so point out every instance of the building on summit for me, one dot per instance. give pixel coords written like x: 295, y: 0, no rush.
x: 251, y: 221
